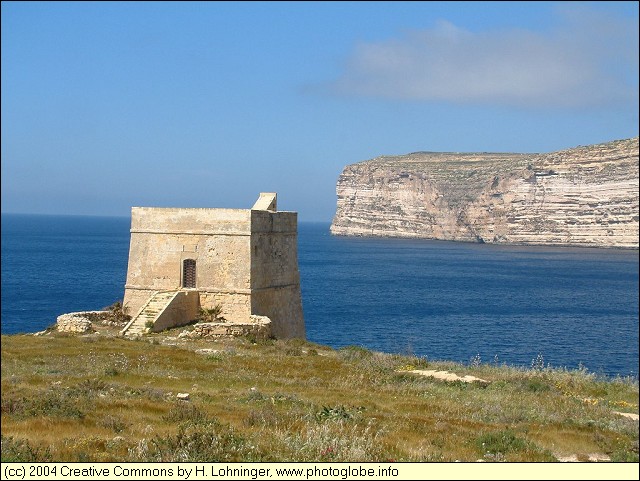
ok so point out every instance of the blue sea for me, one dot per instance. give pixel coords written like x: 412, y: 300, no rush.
x: 443, y: 300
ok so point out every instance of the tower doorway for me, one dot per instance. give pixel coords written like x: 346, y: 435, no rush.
x: 189, y: 273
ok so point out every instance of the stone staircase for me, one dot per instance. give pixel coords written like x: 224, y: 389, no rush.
x: 149, y: 313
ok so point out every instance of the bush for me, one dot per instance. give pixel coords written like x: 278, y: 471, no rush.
x: 20, y: 451
x: 211, y: 314
x: 501, y: 442
x: 116, y: 313
x: 338, y: 413
x: 186, y: 413
x: 213, y: 443
x: 353, y: 353
x: 119, y: 313
x: 52, y: 403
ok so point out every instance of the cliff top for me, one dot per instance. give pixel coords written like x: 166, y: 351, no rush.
x: 613, y: 150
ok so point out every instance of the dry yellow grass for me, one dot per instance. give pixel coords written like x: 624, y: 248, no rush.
x: 101, y: 398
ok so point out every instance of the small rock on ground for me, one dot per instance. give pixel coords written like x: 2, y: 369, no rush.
x: 635, y: 417
x: 448, y: 376
x: 593, y: 457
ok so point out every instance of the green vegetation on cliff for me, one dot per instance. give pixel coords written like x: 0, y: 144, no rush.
x: 101, y: 398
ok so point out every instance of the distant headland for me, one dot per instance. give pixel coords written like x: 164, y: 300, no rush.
x: 584, y: 196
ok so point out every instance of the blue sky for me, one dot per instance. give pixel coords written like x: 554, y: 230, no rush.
x: 111, y: 105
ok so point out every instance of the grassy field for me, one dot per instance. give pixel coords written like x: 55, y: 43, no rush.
x: 101, y: 398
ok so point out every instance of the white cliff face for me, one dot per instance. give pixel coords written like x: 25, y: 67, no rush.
x: 586, y: 196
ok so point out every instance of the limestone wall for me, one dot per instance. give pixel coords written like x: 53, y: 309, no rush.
x: 236, y: 305
x: 284, y: 307
x: 274, y: 251
x: 181, y: 220
x: 275, y: 279
x: 161, y: 239
x: 274, y: 222
x: 76, y: 322
x: 256, y: 326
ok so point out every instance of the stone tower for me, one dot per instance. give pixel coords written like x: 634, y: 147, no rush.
x: 244, y: 260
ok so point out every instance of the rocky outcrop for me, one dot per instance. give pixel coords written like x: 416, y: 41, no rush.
x: 585, y: 196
